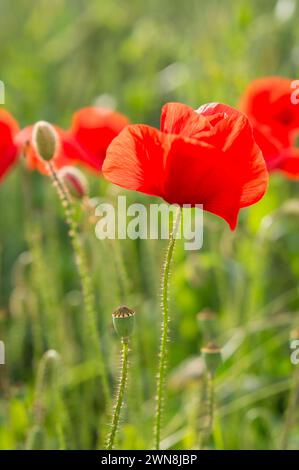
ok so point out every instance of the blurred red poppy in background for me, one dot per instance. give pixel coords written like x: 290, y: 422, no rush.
x: 207, y: 157
x: 86, y: 141
x: 8, y: 149
x: 270, y: 104
x: 93, y: 129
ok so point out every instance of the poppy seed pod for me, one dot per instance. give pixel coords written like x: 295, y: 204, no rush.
x: 75, y: 181
x: 211, y: 355
x: 123, y: 321
x: 45, y: 140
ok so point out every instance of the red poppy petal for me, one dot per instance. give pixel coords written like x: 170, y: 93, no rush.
x: 289, y: 162
x: 222, y: 182
x: 8, y: 148
x: 233, y: 135
x: 136, y: 158
x: 70, y: 150
x: 262, y: 92
x: 268, y: 101
x: 271, y: 147
x: 220, y: 116
x: 196, y: 174
x: 212, y: 108
x: 177, y: 118
x: 256, y: 178
x: 94, y: 129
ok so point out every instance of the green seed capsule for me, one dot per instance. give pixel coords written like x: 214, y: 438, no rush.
x: 211, y: 355
x: 123, y: 321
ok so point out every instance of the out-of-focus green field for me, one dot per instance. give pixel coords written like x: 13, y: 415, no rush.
x: 57, y: 56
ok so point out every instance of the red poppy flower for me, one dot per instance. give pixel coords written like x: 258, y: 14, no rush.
x: 8, y: 148
x: 94, y: 129
x: 275, y: 119
x: 85, y: 142
x: 204, y: 157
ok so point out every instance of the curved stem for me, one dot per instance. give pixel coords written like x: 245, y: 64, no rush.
x: 164, y: 331
x: 86, y: 283
x: 120, y: 395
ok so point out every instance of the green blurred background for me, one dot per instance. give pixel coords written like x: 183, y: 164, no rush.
x: 59, y: 56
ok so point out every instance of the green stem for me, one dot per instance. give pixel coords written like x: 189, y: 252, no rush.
x: 120, y: 395
x: 206, y: 415
x: 40, y: 278
x: 86, y: 283
x: 164, y: 331
x: 210, y: 404
x: 201, y: 412
x: 290, y: 411
x: 46, y: 375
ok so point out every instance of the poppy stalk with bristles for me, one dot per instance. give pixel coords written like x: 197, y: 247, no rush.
x: 46, y: 144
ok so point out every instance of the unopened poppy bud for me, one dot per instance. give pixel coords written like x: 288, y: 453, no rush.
x: 207, y: 320
x: 211, y: 355
x: 45, y: 140
x: 123, y: 321
x: 74, y: 180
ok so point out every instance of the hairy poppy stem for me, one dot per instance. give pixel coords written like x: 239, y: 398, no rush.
x: 86, y: 283
x: 120, y: 395
x: 164, y: 330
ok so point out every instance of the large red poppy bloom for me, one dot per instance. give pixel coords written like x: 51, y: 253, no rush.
x: 269, y: 104
x: 85, y: 142
x: 8, y: 149
x: 204, y: 157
